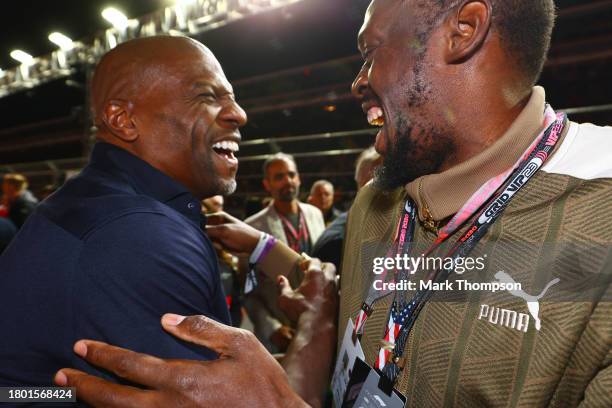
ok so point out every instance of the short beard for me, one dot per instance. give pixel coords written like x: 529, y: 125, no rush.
x: 290, y: 196
x: 226, y: 188
x: 419, y: 150
x: 413, y: 156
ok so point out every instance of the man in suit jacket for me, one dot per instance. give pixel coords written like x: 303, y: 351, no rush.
x: 298, y: 225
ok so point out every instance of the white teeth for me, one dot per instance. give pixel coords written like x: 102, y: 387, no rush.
x: 227, y: 145
x: 376, y: 116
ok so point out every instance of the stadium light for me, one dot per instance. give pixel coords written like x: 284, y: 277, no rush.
x: 116, y: 18
x: 59, y: 39
x: 183, y: 16
x: 22, y: 57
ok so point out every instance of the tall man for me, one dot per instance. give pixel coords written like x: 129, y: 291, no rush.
x: 122, y: 243
x: 451, y: 83
x: 294, y: 223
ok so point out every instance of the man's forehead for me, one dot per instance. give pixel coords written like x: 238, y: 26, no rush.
x: 379, y: 17
x: 282, y: 165
x: 207, y: 72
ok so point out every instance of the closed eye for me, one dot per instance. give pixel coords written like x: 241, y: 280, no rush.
x: 208, y: 97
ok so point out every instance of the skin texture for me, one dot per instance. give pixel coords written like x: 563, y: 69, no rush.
x: 213, y: 204
x: 282, y: 182
x: 322, y: 196
x: 234, y: 235
x: 432, y: 80
x: 167, y: 101
x: 448, y: 90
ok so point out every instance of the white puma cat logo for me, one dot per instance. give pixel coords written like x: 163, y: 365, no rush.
x: 533, y: 303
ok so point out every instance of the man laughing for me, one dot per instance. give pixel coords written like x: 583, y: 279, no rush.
x: 122, y: 243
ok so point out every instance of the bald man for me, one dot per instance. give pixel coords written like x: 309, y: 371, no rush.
x: 122, y: 243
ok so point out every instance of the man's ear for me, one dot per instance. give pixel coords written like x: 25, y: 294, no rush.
x: 118, y: 117
x: 468, y: 28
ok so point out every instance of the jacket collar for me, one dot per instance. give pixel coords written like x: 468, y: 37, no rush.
x: 439, y: 196
x: 144, y: 179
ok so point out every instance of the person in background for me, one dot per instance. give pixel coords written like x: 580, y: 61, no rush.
x: 7, y: 232
x: 19, y: 201
x: 228, y: 266
x: 328, y: 247
x: 322, y: 197
x: 296, y: 224
x: 3, y: 207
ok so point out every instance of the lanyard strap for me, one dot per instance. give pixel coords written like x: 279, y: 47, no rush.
x: 476, y: 201
x: 295, y: 238
x: 403, y: 244
x: 403, y: 315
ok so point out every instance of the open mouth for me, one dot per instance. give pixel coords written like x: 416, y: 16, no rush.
x: 226, y: 149
x: 376, y: 116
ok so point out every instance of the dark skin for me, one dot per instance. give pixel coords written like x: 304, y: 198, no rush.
x: 437, y: 91
x: 464, y: 72
x: 167, y: 101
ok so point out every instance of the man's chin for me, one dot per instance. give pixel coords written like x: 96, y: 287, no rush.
x: 287, y: 198
x: 227, y: 187
x: 386, y: 180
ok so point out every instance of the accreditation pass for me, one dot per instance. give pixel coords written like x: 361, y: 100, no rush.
x: 37, y: 394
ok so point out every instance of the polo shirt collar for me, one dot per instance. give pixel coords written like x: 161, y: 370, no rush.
x: 439, y: 196
x: 145, y: 179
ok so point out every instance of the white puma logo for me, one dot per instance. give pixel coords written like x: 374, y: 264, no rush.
x: 533, y: 303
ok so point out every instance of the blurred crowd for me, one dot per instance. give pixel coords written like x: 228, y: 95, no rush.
x: 16, y: 204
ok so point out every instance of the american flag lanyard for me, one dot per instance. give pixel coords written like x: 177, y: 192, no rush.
x: 402, y: 315
x: 402, y: 244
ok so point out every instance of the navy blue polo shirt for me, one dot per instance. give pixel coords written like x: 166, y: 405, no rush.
x: 104, y: 258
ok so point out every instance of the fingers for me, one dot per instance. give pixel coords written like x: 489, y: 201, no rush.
x: 221, y: 217
x: 216, y: 232
x: 284, y: 286
x: 203, y: 331
x: 101, y: 393
x: 136, y: 367
x: 329, y: 270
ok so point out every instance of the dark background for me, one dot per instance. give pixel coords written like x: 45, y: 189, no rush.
x: 291, y: 69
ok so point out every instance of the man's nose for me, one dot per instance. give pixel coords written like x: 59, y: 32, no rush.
x: 360, y: 84
x: 232, y: 116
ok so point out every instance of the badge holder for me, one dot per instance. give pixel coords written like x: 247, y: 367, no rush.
x: 350, y: 352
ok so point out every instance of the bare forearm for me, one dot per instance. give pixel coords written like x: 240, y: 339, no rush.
x: 309, y: 357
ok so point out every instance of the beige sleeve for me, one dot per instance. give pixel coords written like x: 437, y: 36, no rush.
x: 281, y: 260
